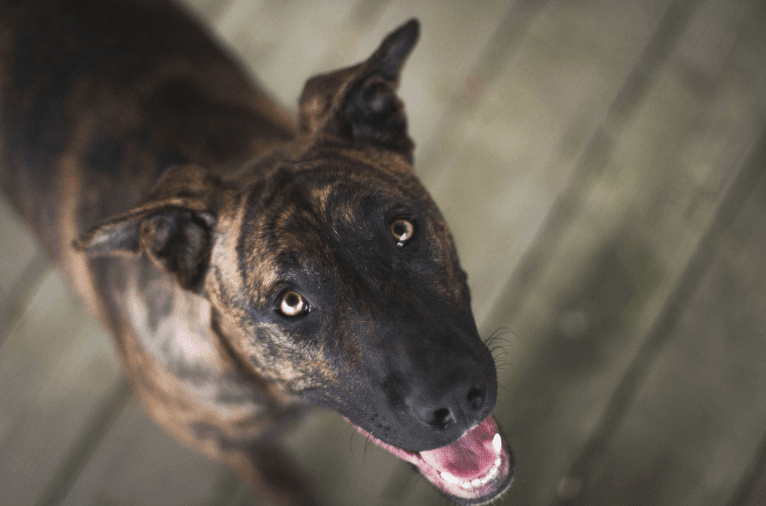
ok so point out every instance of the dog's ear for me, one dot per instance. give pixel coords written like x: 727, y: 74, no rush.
x: 359, y: 103
x: 173, y: 225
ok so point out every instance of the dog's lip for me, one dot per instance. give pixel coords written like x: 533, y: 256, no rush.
x: 475, y: 469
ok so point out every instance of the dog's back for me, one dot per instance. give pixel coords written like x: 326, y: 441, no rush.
x: 99, y: 98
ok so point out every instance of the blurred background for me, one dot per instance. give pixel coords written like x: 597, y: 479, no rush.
x: 601, y: 164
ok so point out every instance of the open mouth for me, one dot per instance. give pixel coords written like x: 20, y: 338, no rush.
x: 475, y: 469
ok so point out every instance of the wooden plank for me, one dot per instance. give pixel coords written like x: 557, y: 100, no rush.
x: 699, y: 414
x: 632, y: 231
x: 137, y: 463
x: 525, y: 138
x: 55, y: 367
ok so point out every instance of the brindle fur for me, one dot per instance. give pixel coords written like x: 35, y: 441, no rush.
x: 209, y: 202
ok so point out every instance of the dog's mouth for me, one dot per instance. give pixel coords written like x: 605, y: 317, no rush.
x: 475, y: 469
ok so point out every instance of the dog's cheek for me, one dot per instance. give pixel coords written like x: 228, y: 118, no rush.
x: 283, y: 357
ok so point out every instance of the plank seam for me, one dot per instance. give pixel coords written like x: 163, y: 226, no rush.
x: 22, y: 293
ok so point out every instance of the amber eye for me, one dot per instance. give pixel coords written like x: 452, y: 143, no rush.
x: 292, y: 304
x: 402, y: 231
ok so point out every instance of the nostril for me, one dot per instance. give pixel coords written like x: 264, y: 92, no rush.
x: 457, y: 407
x: 442, y: 418
x: 476, y: 398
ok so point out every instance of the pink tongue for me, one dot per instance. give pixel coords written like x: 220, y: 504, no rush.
x: 471, y: 455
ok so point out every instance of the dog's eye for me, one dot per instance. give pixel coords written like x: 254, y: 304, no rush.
x: 293, y: 304
x: 402, y: 230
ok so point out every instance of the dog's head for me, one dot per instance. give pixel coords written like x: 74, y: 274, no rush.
x: 332, y: 273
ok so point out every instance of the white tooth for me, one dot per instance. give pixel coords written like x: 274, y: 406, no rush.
x: 466, y: 485
x: 497, y: 443
x: 476, y: 483
x: 498, y: 461
x: 449, y: 478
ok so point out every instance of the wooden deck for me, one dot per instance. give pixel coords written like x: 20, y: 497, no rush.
x: 601, y: 164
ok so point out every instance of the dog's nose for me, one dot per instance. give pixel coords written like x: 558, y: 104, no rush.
x: 458, y: 409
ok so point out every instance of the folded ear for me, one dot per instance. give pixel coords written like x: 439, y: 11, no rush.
x: 359, y: 103
x: 173, y: 226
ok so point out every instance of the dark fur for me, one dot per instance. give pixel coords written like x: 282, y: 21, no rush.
x: 122, y: 115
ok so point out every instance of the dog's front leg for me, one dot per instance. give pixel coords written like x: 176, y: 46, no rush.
x: 274, y: 478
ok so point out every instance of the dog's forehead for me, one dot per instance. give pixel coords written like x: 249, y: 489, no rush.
x: 324, y: 191
x: 289, y: 222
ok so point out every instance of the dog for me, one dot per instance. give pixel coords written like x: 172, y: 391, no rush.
x: 248, y: 264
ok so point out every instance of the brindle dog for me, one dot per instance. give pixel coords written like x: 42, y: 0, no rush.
x: 245, y: 264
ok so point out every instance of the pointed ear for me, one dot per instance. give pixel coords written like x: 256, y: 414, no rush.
x: 359, y: 103
x: 173, y: 226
